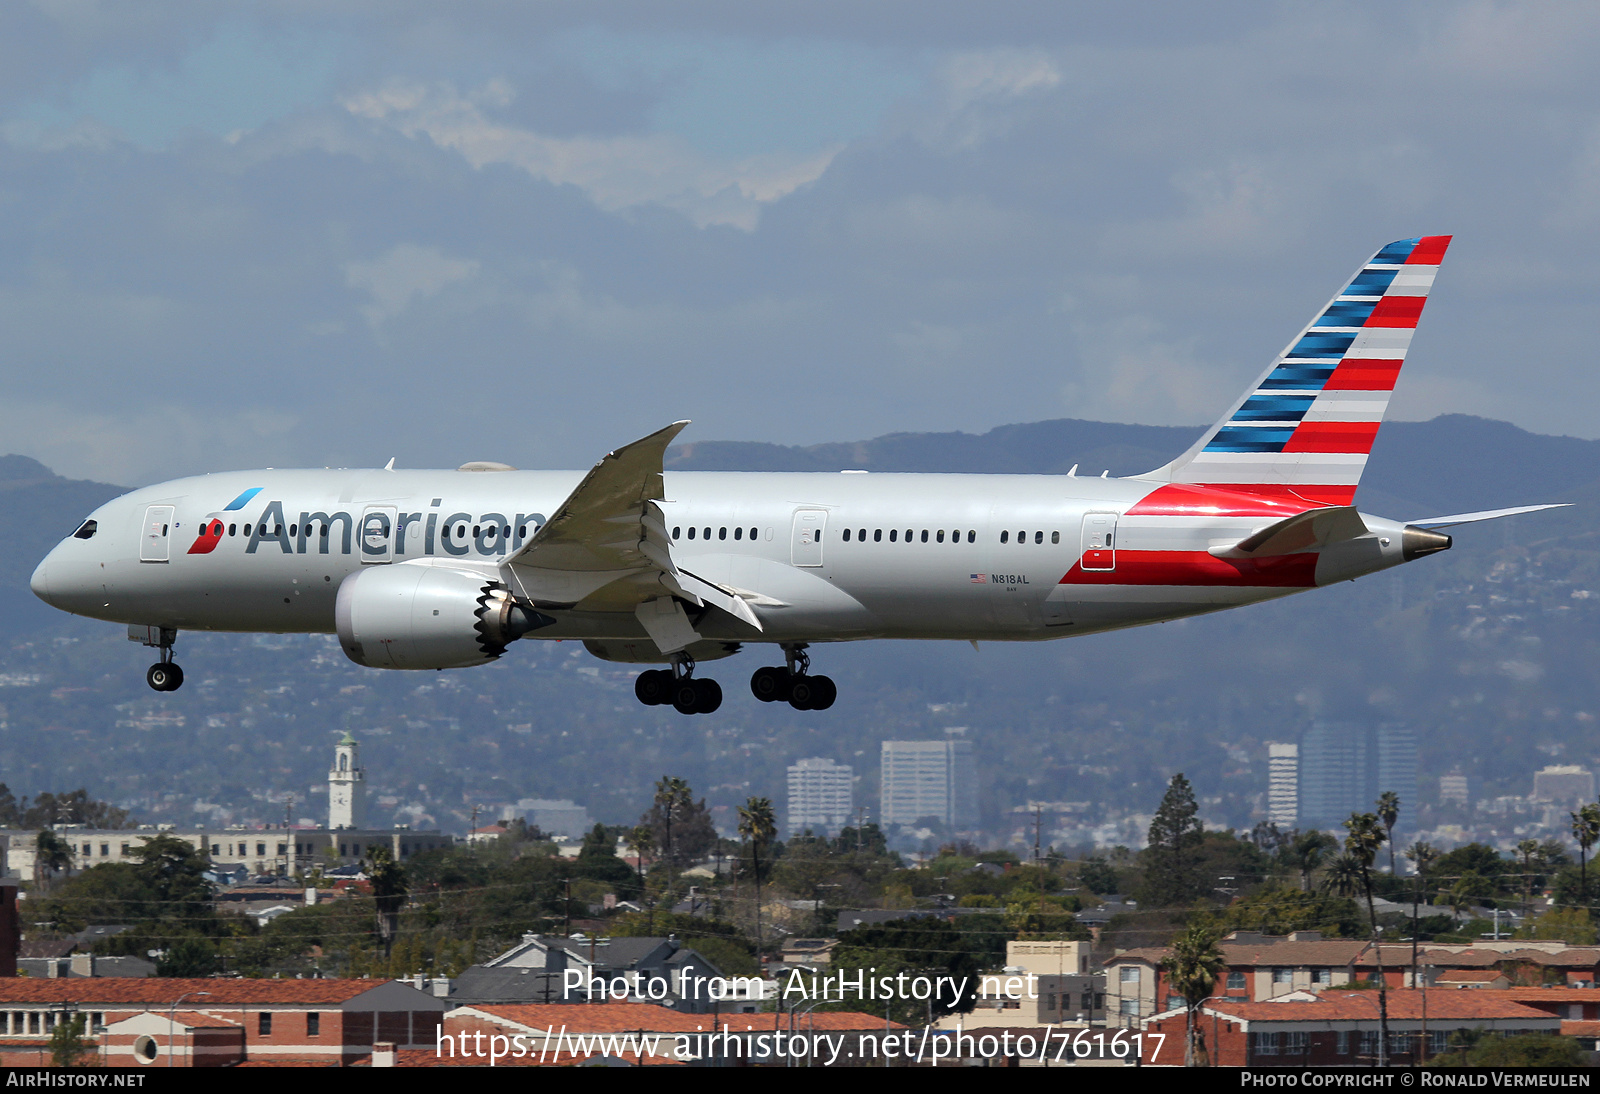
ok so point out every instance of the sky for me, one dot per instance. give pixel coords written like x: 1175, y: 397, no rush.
x: 296, y: 234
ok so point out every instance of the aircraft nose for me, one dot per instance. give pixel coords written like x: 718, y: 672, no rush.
x: 40, y: 581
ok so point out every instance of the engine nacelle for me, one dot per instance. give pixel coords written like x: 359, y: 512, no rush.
x: 428, y: 617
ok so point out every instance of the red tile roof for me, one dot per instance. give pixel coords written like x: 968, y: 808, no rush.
x: 1326, y: 953
x: 1404, y: 1004
x: 425, y: 1057
x: 1553, y: 995
x: 588, y: 1017
x: 155, y: 991
x: 832, y: 1021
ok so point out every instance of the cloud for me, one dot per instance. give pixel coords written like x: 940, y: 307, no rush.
x: 403, y: 274
x: 237, y: 81
x: 616, y: 172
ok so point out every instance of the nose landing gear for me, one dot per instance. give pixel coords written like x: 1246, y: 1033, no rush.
x: 164, y: 675
x: 679, y: 688
x: 793, y: 683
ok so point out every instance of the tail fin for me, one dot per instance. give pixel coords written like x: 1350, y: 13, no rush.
x: 1303, y: 431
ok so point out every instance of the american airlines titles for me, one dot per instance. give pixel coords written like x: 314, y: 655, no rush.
x: 487, y: 535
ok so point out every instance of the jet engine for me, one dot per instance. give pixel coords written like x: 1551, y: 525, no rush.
x: 428, y: 617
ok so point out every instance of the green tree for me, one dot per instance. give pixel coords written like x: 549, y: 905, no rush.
x: 1586, y: 830
x: 1305, y: 852
x: 1193, y: 967
x: 1172, y: 875
x: 1519, y: 1050
x: 1388, y: 811
x: 759, y: 828
x: 51, y: 856
x: 389, y: 892
x: 1097, y: 876
x: 682, y: 826
x: 1362, y: 843
x: 922, y: 947
x: 175, y: 874
x: 189, y: 956
x: 69, y: 1047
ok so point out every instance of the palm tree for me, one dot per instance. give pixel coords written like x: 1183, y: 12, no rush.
x: 1365, y: 837
x: 1306, y: 851
x: 757, y: 824
x: 641, y: 841
x: 1344, y: 876
x: 1528, y: 851
x: 1389, y: 813
x: 1422, y: 856
x: 673, y: 798
x: 1586, y: 830
x: 1362, y: 844
x: 1193, y: 969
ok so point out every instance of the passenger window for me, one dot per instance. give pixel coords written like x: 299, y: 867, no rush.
x: 691, y: 533
x: 1005, y: 537
x: 972, y: 536
x: 861, y: 534
x: 847, y: 535
x: 233, y: 529
x: 752, y: 533
x: 738, y: 533
x: 705, y: 533
x: 894, y: 535
x: 940, y: 536
x: 1038, y: 537
x: 877, y: 536
x: 677, y: 531
x: 293, y: 529
x: 1055, y: 537
x: 722, y: 533
x: 924, y: 535
x: 908, y: 535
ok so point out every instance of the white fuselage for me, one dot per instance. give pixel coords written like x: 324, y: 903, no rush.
x: 927, y: 556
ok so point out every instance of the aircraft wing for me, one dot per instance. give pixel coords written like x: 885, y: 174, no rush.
x: 607, y: 546
x: 1301, y: 532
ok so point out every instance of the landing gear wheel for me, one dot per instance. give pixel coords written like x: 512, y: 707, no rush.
x: 823, y: 692
x: 686, y: 697
x: 802, y: 691
x: 653, y: 687
x: 166, y: 676
x: 708, y: 696
x: 770, y: 685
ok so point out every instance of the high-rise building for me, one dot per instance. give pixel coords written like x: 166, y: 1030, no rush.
x: 929, y: 779
x: 347, y: 787
x: 1333, y: 774
x: 1397, y: 765
x: 821, y: 796
x: 1283, y: 786
x: 1453, y: 788
x: 1563, y: 783
x: 1344, y: 766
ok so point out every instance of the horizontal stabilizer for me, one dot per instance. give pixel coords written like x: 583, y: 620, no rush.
x: 1487, y: 514
x: 1302, y: 532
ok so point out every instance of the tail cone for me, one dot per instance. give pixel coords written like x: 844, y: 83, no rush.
x: 1417, y: 542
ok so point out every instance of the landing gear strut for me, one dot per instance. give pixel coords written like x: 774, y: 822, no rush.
x: 679, y: 688
x: 164, y: 675
x: 793, y: 683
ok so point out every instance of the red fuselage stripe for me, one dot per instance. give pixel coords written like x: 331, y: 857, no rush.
x: 1200, y: 568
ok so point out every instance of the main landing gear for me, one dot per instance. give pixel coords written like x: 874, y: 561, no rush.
x: 793, y: 683
x: 678, y: 688
x: 164, y: 675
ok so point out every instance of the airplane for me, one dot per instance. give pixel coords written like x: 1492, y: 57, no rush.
x: 446, y: 569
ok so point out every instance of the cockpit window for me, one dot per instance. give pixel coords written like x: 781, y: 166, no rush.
x: 86, y: 530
